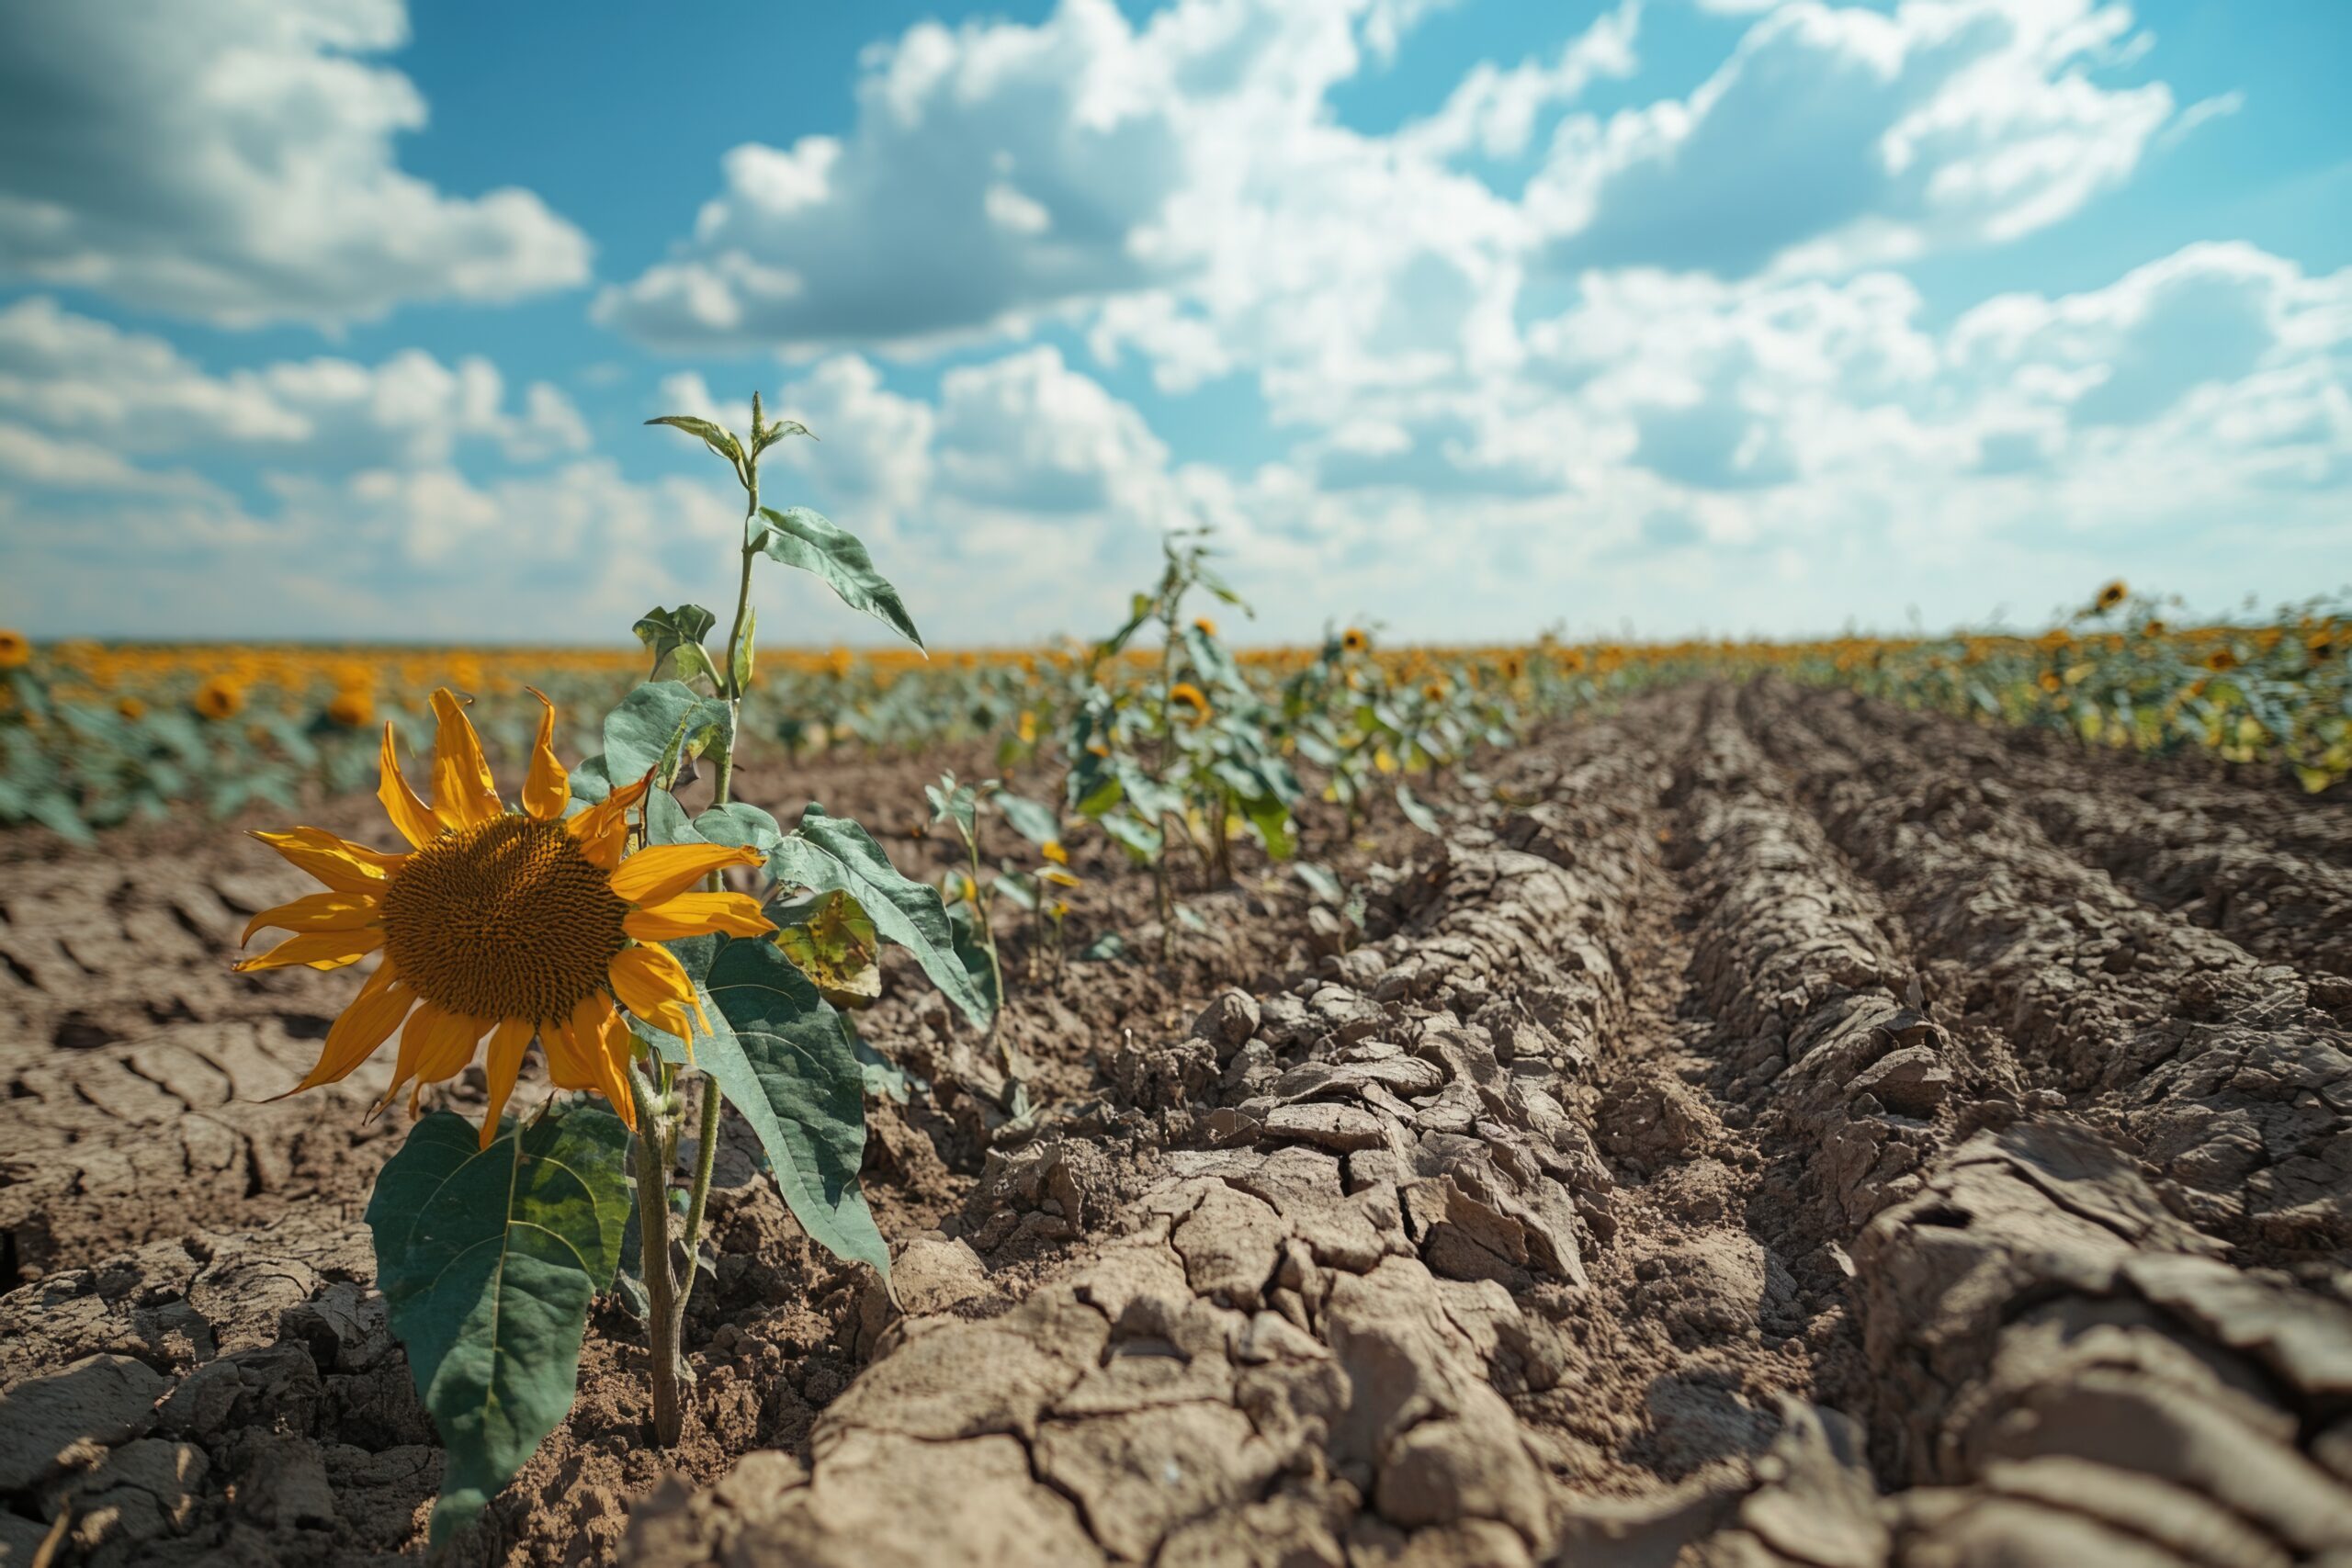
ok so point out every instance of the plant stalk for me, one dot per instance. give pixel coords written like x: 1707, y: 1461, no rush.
x: 698, y: 1195
x: 665, y: 1318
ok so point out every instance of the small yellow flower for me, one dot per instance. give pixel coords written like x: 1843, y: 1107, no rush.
x: 1058, y: 877
x: 2220, y: 660
x: 1027, y: 728
x: 1434, y: 691
x: 1192, y: 699
x: 2112, y: 594
x: 220, y: 698
x: 351, y: 709
x: 16, y: 651
x: 1058, y: 910
x: 1354, y: 640
x: 1052, y: 849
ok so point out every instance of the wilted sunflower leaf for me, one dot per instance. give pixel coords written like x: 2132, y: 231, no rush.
x: 768, y: 436
x: 807, y: 540
x: 830, y: 941
x: 674, y: 638
x: 717, y: 437
x: 488, y: 1260
x: 828, y: 853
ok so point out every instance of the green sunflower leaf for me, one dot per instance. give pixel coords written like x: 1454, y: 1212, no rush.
x: 807, y: 541
x: 779, y: 1055
x: 488, y: 1260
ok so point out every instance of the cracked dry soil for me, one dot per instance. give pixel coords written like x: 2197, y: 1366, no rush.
x: 1772, y: 1129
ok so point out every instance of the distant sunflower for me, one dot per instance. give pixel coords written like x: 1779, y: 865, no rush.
x: 1191, y: 698
x: 130, y: 708
x: 16, y: 651
x: 502, y: 924
x: 1354, y: 640
x: 351, y: 708
x: 219, y: 698
x: 2220, y: 659
x: 1203, y: 626
x: 2112, y: 594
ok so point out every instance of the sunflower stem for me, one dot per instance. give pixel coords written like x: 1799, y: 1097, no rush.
x: 665, y: 1318
x: 698, y: 1195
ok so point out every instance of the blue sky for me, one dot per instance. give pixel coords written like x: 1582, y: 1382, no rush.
x: 340, y: 317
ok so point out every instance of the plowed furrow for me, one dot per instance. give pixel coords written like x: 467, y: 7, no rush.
x: 1804, y: 971
x: 2234, y: 1086
x: 2069, y: 1373
x: 2274, y: 878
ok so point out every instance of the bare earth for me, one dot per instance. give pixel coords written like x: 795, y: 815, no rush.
x: 1788, y: 1131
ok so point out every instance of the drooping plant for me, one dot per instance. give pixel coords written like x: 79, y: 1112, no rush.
x: 596, y: 921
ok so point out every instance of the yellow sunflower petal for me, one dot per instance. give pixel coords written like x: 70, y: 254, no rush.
x: 657, y: 989
x: 411, y: 816
x: 463, y: 792
x: 347, y: 867
x: 603, y: 829
x: 697, y: 914
x: 568, y: 1065
x: 316, y: 950
x: 422, y: 1023
x: 547, y: 790
x: 500, y: 1065
x: 447, y: 1047
x: 333, y: 911
x: 660, y: 873
x: 367, y: 1024
x: 606, y: 1041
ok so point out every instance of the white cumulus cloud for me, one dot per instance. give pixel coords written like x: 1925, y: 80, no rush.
x: 233, y: 159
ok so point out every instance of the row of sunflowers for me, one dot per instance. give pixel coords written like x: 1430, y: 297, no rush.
x: 94, y: 735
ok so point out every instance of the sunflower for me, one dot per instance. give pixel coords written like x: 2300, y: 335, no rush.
x: 2220, y: 659
x: 2112, y: 595
x: 220, y: 698
x: 1187, y: 695
x: 500, y: 923
x: 1353, y: 640
x: 130, y: 708
x: 1203, y: 626
x: 16, y: 651
x: 351, y: 708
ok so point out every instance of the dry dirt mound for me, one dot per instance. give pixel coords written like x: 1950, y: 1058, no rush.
x: 1795, y: 1133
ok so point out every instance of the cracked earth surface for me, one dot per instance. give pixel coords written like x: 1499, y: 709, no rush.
x: 1773, y: 1130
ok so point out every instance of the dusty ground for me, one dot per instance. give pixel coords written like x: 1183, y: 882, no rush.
x: 1773, y: 1129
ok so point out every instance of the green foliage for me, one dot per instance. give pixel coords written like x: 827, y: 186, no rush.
x: 833, y: 854
x: 779, y: 1055
x: 799, y: 537
x: 488, y: 1260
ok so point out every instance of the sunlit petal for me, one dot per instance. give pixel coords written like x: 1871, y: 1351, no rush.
x: 317, y: 950
x: 463, y: 791
x: 411, y: 816
x: 660, y: 873
x: 548, y: 789
x: 698, y: 914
